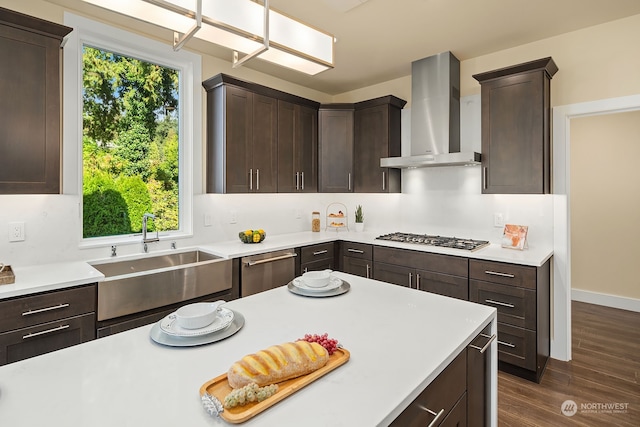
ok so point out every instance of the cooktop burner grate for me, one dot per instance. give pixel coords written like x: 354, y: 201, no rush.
x: 441, y: 241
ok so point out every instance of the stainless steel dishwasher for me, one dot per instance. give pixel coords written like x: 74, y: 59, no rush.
x: 266, y: 271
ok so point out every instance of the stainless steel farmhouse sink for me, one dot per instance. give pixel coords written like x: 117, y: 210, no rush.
x: 136, y: 285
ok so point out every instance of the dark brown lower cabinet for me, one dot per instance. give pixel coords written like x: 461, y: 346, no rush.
x: 440, y: 274
x: 24, y: 343
x: 437, y: 401
x: 317, y: 257
x: 356, y: 258
x: 478, y: 380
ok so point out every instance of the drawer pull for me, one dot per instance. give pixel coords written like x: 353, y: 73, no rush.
x: 356, y: 251
x: 320, y: 252
x: 508, y: 344
x: 486, y: 346
x: 496, y: 273
x: 42, y: 310
x: 368, y: 271
x: 48, y: 331
x: 437, y: 416
x: 503, y: 304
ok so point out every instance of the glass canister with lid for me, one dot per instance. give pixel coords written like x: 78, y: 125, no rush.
x: 315, y: 221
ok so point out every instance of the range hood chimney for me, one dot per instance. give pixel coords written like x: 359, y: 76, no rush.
x: 435, y: 116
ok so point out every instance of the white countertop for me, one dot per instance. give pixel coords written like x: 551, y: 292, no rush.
x: 533, y: 256
x: 33, y: 279
x: 399, y: 339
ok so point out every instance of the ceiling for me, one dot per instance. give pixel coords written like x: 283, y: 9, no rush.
x: 378, y: 39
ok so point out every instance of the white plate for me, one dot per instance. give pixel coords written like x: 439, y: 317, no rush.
x: 174, y: 341
x: 344, y: 288
x: 334, y: 283
x: 169, y: 326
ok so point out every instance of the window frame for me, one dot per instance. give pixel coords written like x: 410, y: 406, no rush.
x: 96, y: 34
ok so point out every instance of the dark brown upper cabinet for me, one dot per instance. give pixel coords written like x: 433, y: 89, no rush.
x: 254, y: 140
x: 30, y: 118
x: 516, y: 134
x: 336, y: 148
x: 297, y: 148
x: 377, y: 135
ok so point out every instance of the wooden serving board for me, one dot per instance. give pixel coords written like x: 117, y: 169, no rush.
x: 219, y: 387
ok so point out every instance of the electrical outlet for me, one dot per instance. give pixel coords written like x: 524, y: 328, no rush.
x: 208, y: 220
x: 498, y: 220
x: 233, y: 217
x: 298, y: 213
x: 16, y: 231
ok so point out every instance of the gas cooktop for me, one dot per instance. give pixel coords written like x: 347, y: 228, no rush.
x: 441, y: 241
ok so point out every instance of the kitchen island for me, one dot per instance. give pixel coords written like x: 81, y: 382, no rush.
x: 399, y: 339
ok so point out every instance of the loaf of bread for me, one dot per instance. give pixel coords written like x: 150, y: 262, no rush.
x: 277, y: 363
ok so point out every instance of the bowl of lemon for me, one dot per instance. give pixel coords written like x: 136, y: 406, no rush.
x: 252, y: 236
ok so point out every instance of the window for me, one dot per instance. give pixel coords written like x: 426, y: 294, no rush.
x: 132, y: 127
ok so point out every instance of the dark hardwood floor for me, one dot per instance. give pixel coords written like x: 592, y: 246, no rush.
x: 603, y: 379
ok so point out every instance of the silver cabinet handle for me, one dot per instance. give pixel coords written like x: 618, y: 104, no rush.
x: 42, y: 310
x: 484, y: 177
x: 302, y: 181
x: 357, y: 251
x: 486, y: 346
x: 496, y: 273
x: 257, y: 179
x: 410, y: 280
x: 297, y: 181
x: 349, y: 181
x: 368, y: 269
x: 250, y: 179
x: 48, y: 331
x: 503, y: 304
x: 320, y: 252
x: 275, y: 258
x: 508, y: 344
x: 383, y: 181
x: 437, y: 416
x: 418, y: 281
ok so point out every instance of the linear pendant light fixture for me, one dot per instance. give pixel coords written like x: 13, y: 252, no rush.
x: 244, y: 26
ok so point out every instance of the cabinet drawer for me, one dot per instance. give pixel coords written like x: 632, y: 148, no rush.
x: 357, y: 250
x: 32, y: 310
x: 499, y: 272
x: 517, y: 346
x: 516, y: 306
x: 316, y: 252
x: 439, y: 396
x: 442, y: 284
x: 439, y: 263
x: 29, y: 342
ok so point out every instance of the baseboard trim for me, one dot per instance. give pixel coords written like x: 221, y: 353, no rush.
x: 607, y: 300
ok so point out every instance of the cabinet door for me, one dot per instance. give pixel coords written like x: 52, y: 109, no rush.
x: 359, y: 267
x: 395, y: 274
x: 297, y: 148
x: 24, y: 343
x: 29, y: 104
x: 307, y: 141
x: 336, y: 151
x: 515, y: 144
x: 264, y: 147
x: 478, y: 381
x: 377, y: 135
x: 238, y: 139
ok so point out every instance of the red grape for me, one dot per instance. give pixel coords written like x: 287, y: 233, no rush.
x: 330, y: 344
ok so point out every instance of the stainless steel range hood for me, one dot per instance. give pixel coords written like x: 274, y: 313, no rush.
x: 435, y: 116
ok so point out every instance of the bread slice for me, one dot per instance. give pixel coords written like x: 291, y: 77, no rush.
x: 278, y: 363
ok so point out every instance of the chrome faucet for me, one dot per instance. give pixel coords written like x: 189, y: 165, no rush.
x: 145, y: 239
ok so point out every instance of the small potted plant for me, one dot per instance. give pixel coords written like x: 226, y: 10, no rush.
x: 359, y: 218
